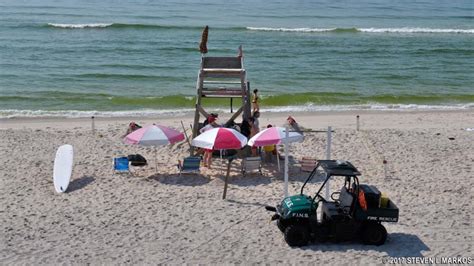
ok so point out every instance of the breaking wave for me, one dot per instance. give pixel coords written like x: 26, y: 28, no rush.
x: 116, y: 26
x: 416, y: 30
x: 369, y: 30
x: 80, y: 26
x: 301, y: 29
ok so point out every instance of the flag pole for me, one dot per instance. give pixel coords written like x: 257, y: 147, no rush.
x: 287, y: 135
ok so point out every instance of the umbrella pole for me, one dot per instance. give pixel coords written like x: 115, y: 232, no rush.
x: 278, y: 158
x: 156, y: 160
x: 226, y: 179
x: 286, y: 161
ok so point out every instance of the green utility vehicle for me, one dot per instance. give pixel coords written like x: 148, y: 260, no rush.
x: 356, y: 212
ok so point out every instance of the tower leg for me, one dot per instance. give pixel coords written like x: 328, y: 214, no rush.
x: 199, y: 85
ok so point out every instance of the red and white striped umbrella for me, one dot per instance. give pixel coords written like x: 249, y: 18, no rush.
x: 154, y: 135
x: 220, y: 139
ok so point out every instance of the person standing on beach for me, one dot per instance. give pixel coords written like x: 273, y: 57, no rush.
x: 256, y: 123
x: 253, y: 131
x: 208, y: 152
x: 255, y: 99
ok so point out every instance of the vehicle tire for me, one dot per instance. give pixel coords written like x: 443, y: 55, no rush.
x: 281, y: 226
x: 322, y: 234
x: 374, y: 234
x: 296, y: 235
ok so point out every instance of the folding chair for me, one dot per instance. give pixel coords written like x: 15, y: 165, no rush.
x: 308, y: 164
x: 121, y: 165
x: 189, y: 165
x: 251, y: 164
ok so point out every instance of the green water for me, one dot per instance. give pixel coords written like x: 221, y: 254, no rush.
x: 112, y: 58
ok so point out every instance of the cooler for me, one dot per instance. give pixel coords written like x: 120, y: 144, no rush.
x: 372, y: 196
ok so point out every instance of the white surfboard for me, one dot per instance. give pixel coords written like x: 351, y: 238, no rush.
x: 63, y: 168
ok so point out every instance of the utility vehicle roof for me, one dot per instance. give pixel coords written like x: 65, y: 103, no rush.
x: 338, y: 168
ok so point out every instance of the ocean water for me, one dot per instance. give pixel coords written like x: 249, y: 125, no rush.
x: 137, y: 57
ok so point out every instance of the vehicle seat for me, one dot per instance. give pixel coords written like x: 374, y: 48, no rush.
x: 340, y: 210
x: 346, y: 200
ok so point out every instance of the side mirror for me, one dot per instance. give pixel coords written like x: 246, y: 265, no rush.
x: 270, y: 208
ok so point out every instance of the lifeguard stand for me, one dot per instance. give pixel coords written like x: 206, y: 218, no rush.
x: 222, y: 77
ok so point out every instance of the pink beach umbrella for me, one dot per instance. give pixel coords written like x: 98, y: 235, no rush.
x: 220, y: 139
x: 154, y: 135
x: 274, y: 136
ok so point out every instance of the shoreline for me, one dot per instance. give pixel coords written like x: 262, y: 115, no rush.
x: 178, y: 111
x: 270, y: 117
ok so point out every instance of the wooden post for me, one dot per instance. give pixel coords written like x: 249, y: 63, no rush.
x: 202, y: 111
x: 185, y: 134
x: 226, y: 179
x: 246, y: 102
x: 198, y: 104
x: 93, y: 125
x: 234, y: 116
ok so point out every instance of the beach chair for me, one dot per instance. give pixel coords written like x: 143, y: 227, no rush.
x: 189, y: 165
x: 251, y: 164
x: 308, y: 164
x: 121, y: 165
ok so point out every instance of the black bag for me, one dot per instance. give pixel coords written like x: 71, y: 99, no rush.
x: 137, y: 160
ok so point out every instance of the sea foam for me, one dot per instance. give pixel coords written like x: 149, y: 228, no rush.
x: 7, y: 114
x: 415, y: 30
x: 369, y: 30
x: 291, y: 29
x: 80, y: 26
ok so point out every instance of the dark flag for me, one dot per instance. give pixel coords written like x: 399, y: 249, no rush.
x: 203, y: 44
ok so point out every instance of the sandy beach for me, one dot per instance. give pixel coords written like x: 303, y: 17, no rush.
x: 159, y: 217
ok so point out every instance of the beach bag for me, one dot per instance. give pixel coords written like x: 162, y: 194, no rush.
x: 137, y: 160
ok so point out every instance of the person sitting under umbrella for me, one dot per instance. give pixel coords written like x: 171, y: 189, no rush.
x: 270, y: 150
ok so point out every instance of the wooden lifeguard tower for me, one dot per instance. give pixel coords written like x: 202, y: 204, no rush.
x: 221, y: 77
